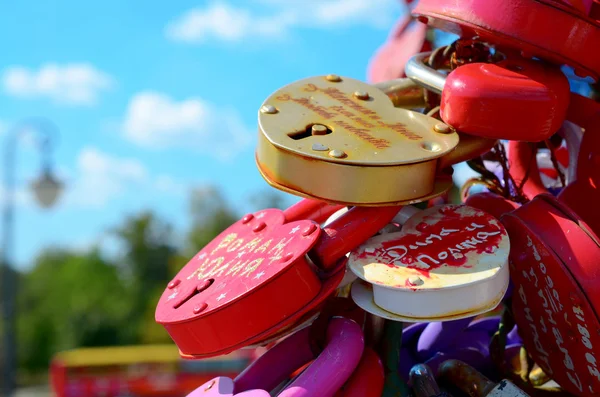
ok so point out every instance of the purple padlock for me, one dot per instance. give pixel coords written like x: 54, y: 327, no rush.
x: 470, y: 344
x: 323, y: 377
x: 439, y: 335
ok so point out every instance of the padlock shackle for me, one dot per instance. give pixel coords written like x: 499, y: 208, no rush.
x: 344, y: 340
x: 419, y: 72
x: 403, y: 92
x: 348, y: 232
x: 470, y: 381
x: 522, y: 164
x: 309, y: 209
x: 423, y: 381
x: 334, y: 366
x: 277, y: 363
x: 522, y: 160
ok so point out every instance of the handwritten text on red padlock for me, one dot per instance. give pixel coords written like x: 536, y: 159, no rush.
x: 238, y: 265
x: 554, y: 309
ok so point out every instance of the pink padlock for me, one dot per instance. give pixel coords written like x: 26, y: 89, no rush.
x: 323, y: 377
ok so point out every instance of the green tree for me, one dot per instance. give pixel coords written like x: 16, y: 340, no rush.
x: 148, y: 250
x: 211, y: 214
x: 68, y: 300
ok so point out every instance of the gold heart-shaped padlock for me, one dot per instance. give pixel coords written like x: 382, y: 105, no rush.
x: 343, y: 141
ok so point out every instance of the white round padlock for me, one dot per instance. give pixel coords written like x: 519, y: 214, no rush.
x: 448, y: 262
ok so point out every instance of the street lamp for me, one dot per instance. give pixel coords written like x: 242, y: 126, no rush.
x: 46, y: 189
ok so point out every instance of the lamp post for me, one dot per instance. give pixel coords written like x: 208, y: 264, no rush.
x: 46, y: 189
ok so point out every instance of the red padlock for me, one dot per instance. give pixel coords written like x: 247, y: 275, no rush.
x: 408, y: 38
x: 554, y: 269
x: 583, y: 194
x: 545, y: 29
x: 265, y: 273
x: 523, y: 163
x: 516, y: 99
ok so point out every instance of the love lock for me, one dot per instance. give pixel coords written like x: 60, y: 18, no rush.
x: 323, y: 377
x: 554, y: 262
x: 524, y: 26
x: 336, y: 139
x: 448, y: 262
x: 436, y: 342
x: 478, y: 97
x: 270, y: 271
x: 474, y: 384
x: 583, y: 194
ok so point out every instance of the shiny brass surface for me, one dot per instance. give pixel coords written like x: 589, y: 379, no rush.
x: 372, y: 153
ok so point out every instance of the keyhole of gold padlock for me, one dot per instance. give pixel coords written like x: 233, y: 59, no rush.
x: 311, y: 130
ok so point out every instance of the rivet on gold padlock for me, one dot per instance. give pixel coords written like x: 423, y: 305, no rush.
x: 344, y: 141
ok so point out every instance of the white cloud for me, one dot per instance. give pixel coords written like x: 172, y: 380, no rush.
x: 100, y: 177
x: 70, y: 84
x: 167, y: 184
x: 155, y: 120
x: 220, y: 20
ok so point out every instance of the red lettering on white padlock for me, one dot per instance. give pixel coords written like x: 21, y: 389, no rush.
x: 554, y: 268
x: 447, y: 262
x: 260, y: 272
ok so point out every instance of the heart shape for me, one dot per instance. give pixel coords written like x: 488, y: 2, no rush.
x: 253, y: 265
x: 370, y: 140
x: 432, y: 268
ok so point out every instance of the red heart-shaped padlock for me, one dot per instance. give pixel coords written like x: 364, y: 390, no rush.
x: 516, y: 99
x: 555, y: 274
x: 261, y: 273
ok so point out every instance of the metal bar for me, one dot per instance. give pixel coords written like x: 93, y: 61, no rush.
x: 417, y: 71
x: 403, y: 92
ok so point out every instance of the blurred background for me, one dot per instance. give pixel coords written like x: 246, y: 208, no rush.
x: 128, y: 133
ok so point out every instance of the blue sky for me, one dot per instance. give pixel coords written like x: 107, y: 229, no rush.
x: 154, y: 98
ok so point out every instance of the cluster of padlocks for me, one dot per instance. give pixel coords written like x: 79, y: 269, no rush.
x: 372, y: 284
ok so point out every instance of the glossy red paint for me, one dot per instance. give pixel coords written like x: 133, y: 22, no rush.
x: 522, y: 26
x: 491, y: 203
x: 348, y: 232
x: 367, y: 379
x: 555, y: 274
x: 583, y: 195
x: 522, y: 164
x: 517, y: 99
x: 256, y: 273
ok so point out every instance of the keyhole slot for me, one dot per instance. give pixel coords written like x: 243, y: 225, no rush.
x: 310, y: 130
x: 203, y: 286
